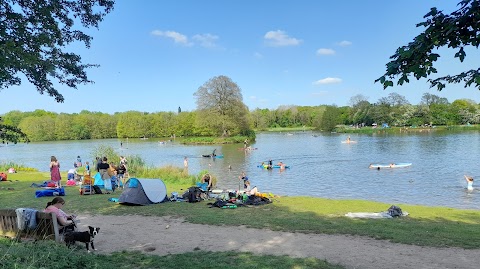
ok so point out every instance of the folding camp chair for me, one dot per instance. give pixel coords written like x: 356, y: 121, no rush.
x: 86, y: 185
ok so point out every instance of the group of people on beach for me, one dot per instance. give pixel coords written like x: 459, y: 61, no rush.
x: 112, y: 173
x: 106, y: 170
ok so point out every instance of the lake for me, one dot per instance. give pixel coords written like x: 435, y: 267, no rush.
x: 320, y: 164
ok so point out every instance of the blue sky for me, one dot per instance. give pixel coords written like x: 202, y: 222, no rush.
x: 154, y: 55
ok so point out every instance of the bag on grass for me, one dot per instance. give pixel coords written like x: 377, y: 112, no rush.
x: 97, y: 189
x: 395, y: 211
x: 193, y: 195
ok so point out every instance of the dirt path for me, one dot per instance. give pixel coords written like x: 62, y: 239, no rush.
x: 162, y: 236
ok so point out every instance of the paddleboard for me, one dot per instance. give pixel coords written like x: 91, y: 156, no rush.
x: 393, y: 165
x: 209, y: 156
x: 351, y: 142
x: 273, y: 166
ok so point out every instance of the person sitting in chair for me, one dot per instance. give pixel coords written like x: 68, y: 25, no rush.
x: 67, y: 222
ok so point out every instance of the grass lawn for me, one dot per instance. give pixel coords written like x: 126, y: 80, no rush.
x: 47, y: 254
x: 426, y: 226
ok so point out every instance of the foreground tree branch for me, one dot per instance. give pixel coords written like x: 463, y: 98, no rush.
x: 456, y: 30
x: 33, y: 40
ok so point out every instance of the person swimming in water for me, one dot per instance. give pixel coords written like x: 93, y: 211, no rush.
x: 469, y: 182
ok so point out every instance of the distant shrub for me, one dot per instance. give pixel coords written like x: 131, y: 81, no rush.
x: 17, y: 167
x: 134, y: 162
x: 168, y: 174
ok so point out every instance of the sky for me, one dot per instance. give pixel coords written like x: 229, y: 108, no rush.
x: 154, y: 55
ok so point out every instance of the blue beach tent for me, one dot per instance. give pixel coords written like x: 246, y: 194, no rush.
x: 143, y: 191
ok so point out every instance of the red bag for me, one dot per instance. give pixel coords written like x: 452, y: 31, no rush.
x: 51, y: 184
x: 3, y: 177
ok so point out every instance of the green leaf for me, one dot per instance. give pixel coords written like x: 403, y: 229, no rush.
x: 381, y: 79
x: 477, y: 80
x: 460, y: 54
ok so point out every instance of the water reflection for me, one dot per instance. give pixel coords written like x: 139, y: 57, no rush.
x: 320, y: 164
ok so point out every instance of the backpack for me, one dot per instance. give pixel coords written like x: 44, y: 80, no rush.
x: 219, y: 203
x: 395, y: 211
x: 193, y: 194
x: 97, y: 189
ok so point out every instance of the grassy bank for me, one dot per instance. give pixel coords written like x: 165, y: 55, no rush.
x: 426, y: 226
x: 286, y: 129
x: 407, y: 130
x: 216, y: 140
x: 47, y: 254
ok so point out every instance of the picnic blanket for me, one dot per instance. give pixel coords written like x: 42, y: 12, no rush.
x: 50, y: 192
x: 41, y: 185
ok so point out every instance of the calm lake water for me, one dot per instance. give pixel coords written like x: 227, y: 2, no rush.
x: 320, y: 164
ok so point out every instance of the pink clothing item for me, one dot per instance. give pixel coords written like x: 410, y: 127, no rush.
x: 55, y: 172
x: 53, y: 209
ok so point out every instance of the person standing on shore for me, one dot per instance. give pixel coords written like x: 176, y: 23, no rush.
x: 78, y: 163
x: 99, y: 161
x: 55, y: 171
x: 121, y: 170
x: 244, y: 177
x: 123, y: 161
x: 103, y: 168
x: 87, y: 168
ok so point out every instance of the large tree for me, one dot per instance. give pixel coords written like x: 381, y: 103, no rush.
x: 394, y: 99
x: 220, y: 108
x: 456, y: 30
x: 330, y: 118
x: 34, y: 36
x: 432, y: 99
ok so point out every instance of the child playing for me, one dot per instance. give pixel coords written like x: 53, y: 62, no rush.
x: 87, y: 168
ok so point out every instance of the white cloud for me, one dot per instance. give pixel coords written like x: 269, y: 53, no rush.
x: 206, y: 40
x: 327, y: 81
x: 320, y: 93
x: 280, y: 39
x: 177, y: 37
x: 325, y: 52
x: 344, y: 43
x: 258, y: 55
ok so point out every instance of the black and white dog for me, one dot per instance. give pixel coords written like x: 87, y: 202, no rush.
x: 85, y: 237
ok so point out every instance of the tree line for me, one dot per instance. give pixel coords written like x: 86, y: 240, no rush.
x: 43, y: 31
x: 395, y: 110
